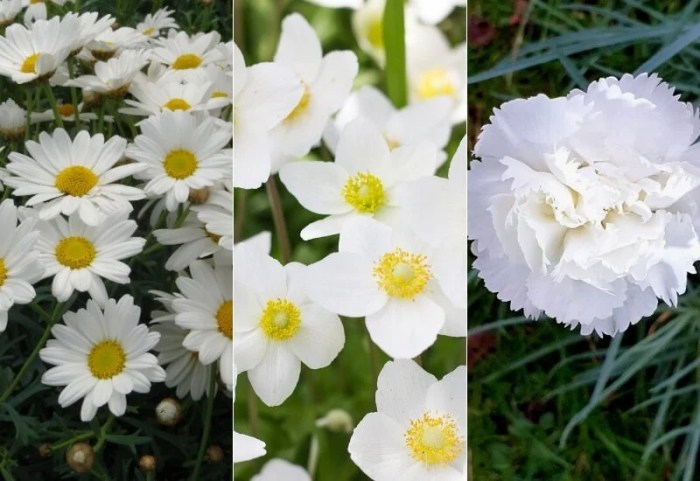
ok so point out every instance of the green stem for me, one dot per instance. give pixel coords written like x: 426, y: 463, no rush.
x: 28, y: 117
x: 278, y: 219
x: 74, y: 94
x: 54, y: 105
x: 207, y: 425
x: 74, y: 439
x: 253, y: 412
x: 393, y: 31
x: 32, y: 357
x: 239, y: 216
x: 103, y: 433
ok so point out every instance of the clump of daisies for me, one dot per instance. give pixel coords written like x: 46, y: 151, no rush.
x: 582, y: 208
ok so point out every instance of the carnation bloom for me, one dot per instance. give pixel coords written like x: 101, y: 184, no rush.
x: 278, y: 469
x: 419, y: 430
x: 64, y: 176
x: 101, y: 356
x: 580, y: 207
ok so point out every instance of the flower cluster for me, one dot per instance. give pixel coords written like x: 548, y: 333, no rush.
x: 582, y: 207
x: 398, y: 263
x: 142, y: 162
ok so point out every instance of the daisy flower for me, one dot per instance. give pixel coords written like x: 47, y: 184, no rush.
x: 276, y: 469
x: 13, y: 120
x: 360, y: 183
x: 206, y: 310
x: 183, y: 370
x: 246, y: 448
x: 181, y: 151
x: 278, y: 327
x: 9, y: 9
x: 78, y: 255
x: 65, y: 176
x: 179, y: 51
x: 217, y: 215
x: 194, y: 239
x: 113, y: 77
x: 19, y: 267
x: 169, y: 93
x: 91, y: 25
x: 388, y: 277
x: 36, y: 9
x: 36, y: 53
x: 101, y: 356
x: 109, y: 42
x: 67, y: 111
x: 327, y: 82
x: 153, y: 23
x: 419, y: 429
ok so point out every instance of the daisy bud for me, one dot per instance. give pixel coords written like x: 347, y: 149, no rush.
x: 80, y: 457
x: 147, y: 463
x: 336, y: 420
x: 168, y: 412
x: 45, y: 450
x: 199, y: 196
x: 214, y: 454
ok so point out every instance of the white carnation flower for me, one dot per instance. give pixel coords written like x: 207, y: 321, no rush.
x: 579, y: 207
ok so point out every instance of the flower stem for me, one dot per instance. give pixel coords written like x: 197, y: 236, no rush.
x: 32, y: 357
x: 207, y: 425
x: 103, y: 433
x: 278, y: 219
x: 54, y: 105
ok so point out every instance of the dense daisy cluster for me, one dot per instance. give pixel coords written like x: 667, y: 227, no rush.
x: 142, y: 161
x: 346, y: 153
x: 584, y: 207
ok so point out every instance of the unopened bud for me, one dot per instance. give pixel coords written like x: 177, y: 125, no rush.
x: 147, y: 463
x: 168, y: 412
x: 80, y: 457
x: 45, y: 450
x: 199, y: 196
x: 214, y: 454
x: 337, y: 420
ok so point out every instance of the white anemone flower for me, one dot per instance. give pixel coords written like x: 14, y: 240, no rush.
x: 246, y: 448
x: 19, y: 267
x: 78, y: 255
x: 387, y: 276
x: 419, y: 430
x: 278, y: 469
x: 181, y: 151
x: 327, y: 83
x: 264, y: 95
x: 360, y: 183
x: 64, y: 176
x: 36, y: 53
x: 101, y: 356
x: 278, y: 327
x: 582, y: 207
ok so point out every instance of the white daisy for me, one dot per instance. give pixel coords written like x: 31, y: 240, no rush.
x: 78, y: 256
x: 19, y: 268
x: 277, y: 469
x: 169, y: 93
x: 36, y: 9
x: 109, y: 42
x: 9, y: 9
x: 101, y: 356
x: 183, y: 370
x: 67, y: 111
x: 36, y: 53
x: 65, y: 176
x: 278, y: 327
x: 194, y: 239
x: 181, y: 151
x: 206, y: 309
x: 180, y: 51
x: 91, y: 25
x: 153, y: 23
x: 13, y: 120
x: 217, y: 215
x: 113, y: 77
x: 419, y: 430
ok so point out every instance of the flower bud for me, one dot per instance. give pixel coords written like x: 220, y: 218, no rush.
x: 45, y: 450
x: 214, y: 454
x: 336, y: 420
x: 168, y: 412
x: 147, y: 463
x: 80, y: 457
x: 199, y: 196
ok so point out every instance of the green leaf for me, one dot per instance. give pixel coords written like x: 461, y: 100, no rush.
x: 393, y: 32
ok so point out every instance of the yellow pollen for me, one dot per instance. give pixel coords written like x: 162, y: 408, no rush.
x: 106, y: 359
x: 224, y: 319
x: 375, y: 34
x: 186, y: 61
x: 364, y: 192
x: 280, y: 319
x: 217, y: 94
x: 76, y: 180
x: 180, y: 164
x: 177, y: 104
x: 301, y: 106
x: 402, y: 274
x: 29, y: 64
x: 75, y: 252
x: 149, y: 31
x: 433, y: 439
x: 434, y: 83
x: 3, y: 271
x: 66, y: 110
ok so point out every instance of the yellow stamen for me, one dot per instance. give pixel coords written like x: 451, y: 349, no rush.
x: 402, y: 274
x: 75, y: 252
x: 187, y: 61
x: 224, y: 319
x: 106, y: 359
x: 177, y: 104
x: 29, y: 64
x: 76, y: 180
x: 180, y: 164
x: 434, y: 83
x: 433, y: 440
x: 280, y: 319
x: 364, y: 192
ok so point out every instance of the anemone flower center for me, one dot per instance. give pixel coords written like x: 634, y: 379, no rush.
x: 402, y: 274
x: 433, y: 440
x: 280, y: 319
x: 364, y: 192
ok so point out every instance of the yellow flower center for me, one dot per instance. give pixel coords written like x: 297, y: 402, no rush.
x: 76, y: 180
x: 188, y: 60
x: 75, y: 252
x: 149, y: 31
x: 224, y: 319
x: 364, y: 192
x: 433, y: 439
x: 3, y: 271
x: 217, y: 94
x: 301, y: 106
x: 402, y: 274
x: 375, y: 34
x: 177, y: 104
x: 180, y: 164
x: 434, y: 83
x: 280, y: 319
x: 66, y: 110
x: 106, y: 359
x: 29, y: 64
